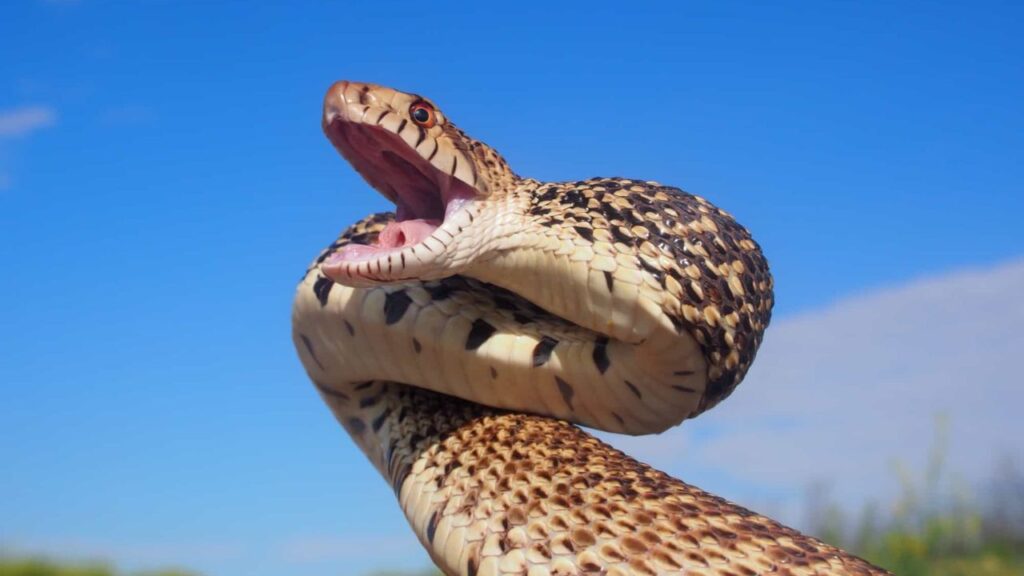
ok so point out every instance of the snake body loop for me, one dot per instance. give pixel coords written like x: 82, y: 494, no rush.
x: 456, y: 338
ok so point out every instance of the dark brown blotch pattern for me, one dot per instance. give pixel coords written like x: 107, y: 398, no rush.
x: 542, y: 351
x: 479, y: 332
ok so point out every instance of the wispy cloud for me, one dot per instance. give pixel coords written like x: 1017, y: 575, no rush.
x: 16, y: 123
x: 842, y: 393
x: 25, y: 120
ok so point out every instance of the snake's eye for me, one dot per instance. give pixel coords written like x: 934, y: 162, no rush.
x: 423, y: 114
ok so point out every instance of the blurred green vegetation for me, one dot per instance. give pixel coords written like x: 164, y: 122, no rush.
x: 936, y: 527
x: 44, y: 567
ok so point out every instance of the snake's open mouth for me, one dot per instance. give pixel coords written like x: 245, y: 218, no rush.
x: 405, y: 164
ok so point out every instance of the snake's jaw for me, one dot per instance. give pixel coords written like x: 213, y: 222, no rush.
x: 408, y: 151
x: 405, y: 250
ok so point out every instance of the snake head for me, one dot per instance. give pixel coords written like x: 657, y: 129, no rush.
x: 407, y: 150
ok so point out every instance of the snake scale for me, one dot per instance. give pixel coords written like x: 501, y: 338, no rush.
x: 459, y: 339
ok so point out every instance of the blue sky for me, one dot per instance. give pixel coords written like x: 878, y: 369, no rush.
x: 164, y: 181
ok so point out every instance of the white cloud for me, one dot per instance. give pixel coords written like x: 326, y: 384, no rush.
x: 25, y: 120
x: 15, y: 123
x: 842, y: 393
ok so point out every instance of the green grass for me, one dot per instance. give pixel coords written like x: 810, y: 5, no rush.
x: 937, y: 527
x: 45, y: 567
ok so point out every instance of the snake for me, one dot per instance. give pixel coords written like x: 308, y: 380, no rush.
x: 464, y: 338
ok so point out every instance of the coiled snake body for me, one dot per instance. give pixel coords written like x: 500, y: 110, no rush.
x: 456, y: 338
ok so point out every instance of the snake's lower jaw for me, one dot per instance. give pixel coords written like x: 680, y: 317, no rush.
x: 375, y: 272
x: 408, y: 250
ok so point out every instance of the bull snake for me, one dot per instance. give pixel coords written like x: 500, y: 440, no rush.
x: 458, y: 338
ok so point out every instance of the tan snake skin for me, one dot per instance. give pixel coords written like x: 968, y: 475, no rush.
x: 454, y: 340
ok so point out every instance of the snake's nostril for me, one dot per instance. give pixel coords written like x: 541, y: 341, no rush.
x: 334, y: 102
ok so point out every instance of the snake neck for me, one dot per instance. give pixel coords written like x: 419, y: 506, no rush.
x: 465, y: 338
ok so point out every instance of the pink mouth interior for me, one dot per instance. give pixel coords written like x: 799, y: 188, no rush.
x: 395, y: 236
x: 423, y: 195
x: 406, y: 232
